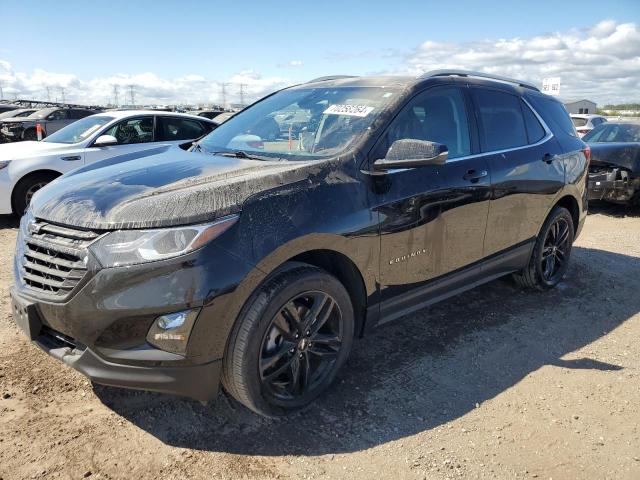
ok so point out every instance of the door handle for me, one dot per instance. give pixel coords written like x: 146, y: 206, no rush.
x: 71, y: 158
x: 474, y: 175
x: 548, y: 158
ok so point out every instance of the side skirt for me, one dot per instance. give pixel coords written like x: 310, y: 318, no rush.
x: 451, y: 284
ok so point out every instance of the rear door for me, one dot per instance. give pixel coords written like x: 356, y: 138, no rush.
x: 526, y: 172
x: 178, y: 130
x: 56, y: 120
x: 432, y: 218
x: 133, y: 134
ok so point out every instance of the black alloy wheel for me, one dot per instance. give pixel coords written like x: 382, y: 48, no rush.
x: 555, y: 252
x: 549, y: 259
x: 290, y: 340
x: 300, y: 346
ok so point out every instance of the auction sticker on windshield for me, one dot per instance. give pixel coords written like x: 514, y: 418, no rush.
x: 351, y: 110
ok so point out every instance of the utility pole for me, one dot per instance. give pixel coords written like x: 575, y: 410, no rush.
x: 62, y: 94
x: 115, y: 95
x: 242, y: 85
x: 223, y: 94
x: 132, y: 93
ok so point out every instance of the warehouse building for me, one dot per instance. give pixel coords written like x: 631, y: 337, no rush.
x: 580, y: 106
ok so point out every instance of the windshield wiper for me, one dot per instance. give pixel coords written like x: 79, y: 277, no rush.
x: 243, y: 154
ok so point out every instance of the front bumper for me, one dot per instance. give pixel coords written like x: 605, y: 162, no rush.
x: 613, y: 185
x: 154, y: 372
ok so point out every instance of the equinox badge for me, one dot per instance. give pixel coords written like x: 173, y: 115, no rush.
x: 408, y: 256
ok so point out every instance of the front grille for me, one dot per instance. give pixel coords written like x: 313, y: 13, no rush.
x: 54, y: 258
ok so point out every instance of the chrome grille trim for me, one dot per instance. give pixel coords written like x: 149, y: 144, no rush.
x: 54, y: 259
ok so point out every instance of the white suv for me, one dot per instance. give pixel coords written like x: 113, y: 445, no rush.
x: 25, y: 167
x: 584, y: 123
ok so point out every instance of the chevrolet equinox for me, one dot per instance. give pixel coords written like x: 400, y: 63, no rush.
x: 255, y: 258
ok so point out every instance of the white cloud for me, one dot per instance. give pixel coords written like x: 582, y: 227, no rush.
x: 148, y: 87
x: 601, y: 63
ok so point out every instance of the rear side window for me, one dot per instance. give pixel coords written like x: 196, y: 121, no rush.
x: 501, y: 121
x: 173, y: 128
x: 554, y: 114
x: 535, y: 131
x: 58, y: 115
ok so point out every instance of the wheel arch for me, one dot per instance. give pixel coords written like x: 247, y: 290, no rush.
x: 43, y: 171
x: 570, y: 203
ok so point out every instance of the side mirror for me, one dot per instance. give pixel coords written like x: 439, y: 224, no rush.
x: 105, y: 141
x: 410, y: 153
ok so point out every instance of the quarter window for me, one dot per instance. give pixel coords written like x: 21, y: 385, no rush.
x: 535, y: 131
x: 173, y: 128
x: 436, y: 115
x: 501, y: 121
x: 133, y: 130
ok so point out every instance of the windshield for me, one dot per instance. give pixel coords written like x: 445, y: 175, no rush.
x: 79, y: 130
x: 301, y: 123
x: 613, y: 132
x: 579, y: 122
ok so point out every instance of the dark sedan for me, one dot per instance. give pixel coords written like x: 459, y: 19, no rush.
x: 614, y: 174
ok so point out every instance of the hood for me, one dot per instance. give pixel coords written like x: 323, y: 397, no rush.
x: 159, y: 188
x: 17, y: 150
x: 625, y: 155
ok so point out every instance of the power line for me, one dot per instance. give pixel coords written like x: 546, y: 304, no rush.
x: 242, y: 85
x: 132, y: 93
x: 115, y: 94
x: 223, y: 94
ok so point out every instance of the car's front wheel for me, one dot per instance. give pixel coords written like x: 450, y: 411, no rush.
x: 550, y: 257
x: 26, y: 189
x: 289, y: 341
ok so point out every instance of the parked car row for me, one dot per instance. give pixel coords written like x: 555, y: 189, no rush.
x: 253, y: 258
x: 26, y: 167
x: 19, y: 127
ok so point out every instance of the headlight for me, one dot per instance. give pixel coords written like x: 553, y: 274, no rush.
x: 130, y: 247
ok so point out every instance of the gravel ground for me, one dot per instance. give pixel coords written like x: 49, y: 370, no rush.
x: 494, y: 383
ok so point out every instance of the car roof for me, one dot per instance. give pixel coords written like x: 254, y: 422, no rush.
x: 120, y: 114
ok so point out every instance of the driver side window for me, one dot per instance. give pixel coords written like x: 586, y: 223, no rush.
x: 133, y: 130
x: 435, y: 115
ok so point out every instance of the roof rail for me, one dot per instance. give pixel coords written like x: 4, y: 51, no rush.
x: 469, y: 73
x: 330, y: 77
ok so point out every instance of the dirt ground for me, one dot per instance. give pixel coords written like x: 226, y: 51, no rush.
x: 494, y: 383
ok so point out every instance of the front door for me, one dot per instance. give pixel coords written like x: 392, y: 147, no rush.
x: 133, y: 134
x: 432, y: 218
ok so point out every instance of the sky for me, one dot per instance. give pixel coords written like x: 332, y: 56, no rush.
x: 185, y: 51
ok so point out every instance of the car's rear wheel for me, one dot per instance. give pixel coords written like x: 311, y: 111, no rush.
x: 289, y: 342
x: 26, y: 189
x: 550, y: 257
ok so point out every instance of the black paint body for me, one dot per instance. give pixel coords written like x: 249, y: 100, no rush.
x: 397, y: 240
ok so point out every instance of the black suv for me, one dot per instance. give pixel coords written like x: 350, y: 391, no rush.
x: 50, y: 119
x: 255, y: 258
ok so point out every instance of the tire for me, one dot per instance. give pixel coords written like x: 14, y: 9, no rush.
x: 263, y: 353
x: 25, y: 189
x: 557, y: 231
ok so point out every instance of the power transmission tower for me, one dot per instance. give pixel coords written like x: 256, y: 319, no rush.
x: 48, y: 94
x: 242, y: 85
x: 116, y: 89
x: 1, y: 92
x: 223, y: 94
x: 62, y: 94
x: 132, y: 93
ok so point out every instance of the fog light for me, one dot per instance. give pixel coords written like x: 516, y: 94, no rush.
x: 170, y: 332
